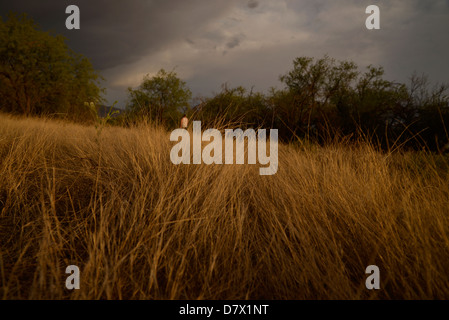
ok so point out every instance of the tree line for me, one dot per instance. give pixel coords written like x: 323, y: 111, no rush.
x: 320, y: 98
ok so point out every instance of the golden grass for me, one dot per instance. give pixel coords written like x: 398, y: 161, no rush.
x: 140, y: 227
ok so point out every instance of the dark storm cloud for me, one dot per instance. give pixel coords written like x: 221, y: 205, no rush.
x: 246, y: 42
x: 253, y: 4
x: 119, y: 32
x: 234, y: 42
x: 413, y: 36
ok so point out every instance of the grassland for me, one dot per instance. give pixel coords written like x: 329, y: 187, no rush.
x: 139, y: 227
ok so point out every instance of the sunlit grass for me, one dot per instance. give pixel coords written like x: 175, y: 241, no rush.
x: 140, y: 227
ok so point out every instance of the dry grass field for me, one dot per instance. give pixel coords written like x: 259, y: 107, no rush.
x: 139, y: 227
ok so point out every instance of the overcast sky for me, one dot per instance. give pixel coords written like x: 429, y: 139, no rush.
x: 245, y: 42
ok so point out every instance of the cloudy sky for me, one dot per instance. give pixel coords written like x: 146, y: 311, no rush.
x: 245, y: 42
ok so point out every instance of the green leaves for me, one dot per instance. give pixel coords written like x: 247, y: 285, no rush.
x: 39, y: 74
x: 162, y: 98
